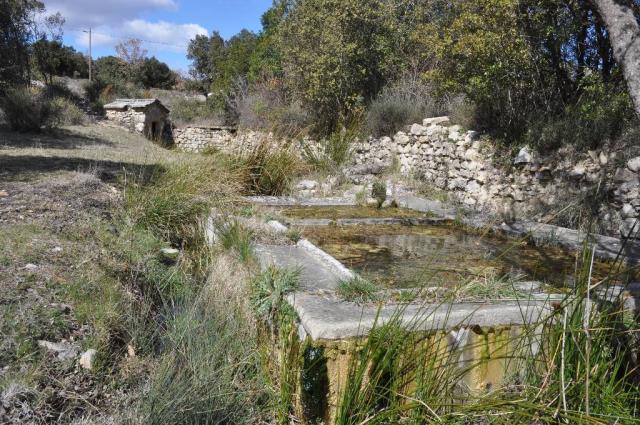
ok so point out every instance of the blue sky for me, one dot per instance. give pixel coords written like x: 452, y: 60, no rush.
x: 166, y: 25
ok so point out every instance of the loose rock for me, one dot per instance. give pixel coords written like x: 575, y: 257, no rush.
x: 523, y: 157
x: 88, y: 358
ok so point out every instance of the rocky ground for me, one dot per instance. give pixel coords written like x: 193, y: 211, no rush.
x: 57, y: 194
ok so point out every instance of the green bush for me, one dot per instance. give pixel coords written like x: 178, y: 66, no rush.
x: 379, y: 192
x: 601, y: 114
x: 28, y: 110
x: 66, y: 112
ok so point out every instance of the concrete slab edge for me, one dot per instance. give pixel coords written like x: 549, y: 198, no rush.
x: 326, y: 259
x: 415, y: 317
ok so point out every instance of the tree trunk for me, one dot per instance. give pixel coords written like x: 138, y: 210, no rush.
x: 624, y: 35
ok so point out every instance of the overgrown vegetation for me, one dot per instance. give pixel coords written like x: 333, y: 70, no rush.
x: 36, y: 109
x: 269, y: 171
x: 583, y: 372
x: 358, y: 290
x: 392, y: 63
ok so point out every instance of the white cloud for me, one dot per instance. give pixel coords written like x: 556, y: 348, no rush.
x: 97, y: 39
x: 86, y: 13
x: 160, y: 35
x: 175, y: 36
x: 115, y: 20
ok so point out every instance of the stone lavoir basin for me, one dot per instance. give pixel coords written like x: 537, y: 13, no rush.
x: 401, y: 256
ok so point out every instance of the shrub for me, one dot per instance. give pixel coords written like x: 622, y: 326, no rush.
x: 28, y: 110
x: 379, y: 192
x: 601, y: 114
x: 66, y: 112
x: 192, y: 111
x: 463, y: 112
x: 407, y: 101
x: 265, y: 106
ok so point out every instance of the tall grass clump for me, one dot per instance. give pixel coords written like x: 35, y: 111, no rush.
x: 210, y: 371
x: 333, y: 151
x: 270, y: 170
x: 575, y: 363
x: 173, y: 199
x: 233, y: 236
x: 357, y: 289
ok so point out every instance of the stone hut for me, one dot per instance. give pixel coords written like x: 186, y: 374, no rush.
x: 145, y: 116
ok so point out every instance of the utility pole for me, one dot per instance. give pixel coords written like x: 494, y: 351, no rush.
x: 90, y: 56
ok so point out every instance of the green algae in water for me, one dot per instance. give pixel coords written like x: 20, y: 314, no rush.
x: 340, y: 212
x: 398, y: 256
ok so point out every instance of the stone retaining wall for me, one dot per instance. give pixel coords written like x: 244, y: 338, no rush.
x: 475, y: 171
x: 199, y: 139
x: 465, y: 165
x: 224, y: 139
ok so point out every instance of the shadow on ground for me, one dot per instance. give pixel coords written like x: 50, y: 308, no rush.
x: 21, y: 167
x: 57, y: 139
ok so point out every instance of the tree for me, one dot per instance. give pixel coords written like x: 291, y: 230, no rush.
x: 49, y: 57
x: 112, y: 70
x: 17, y: 31
x: 624, y: 33
x: 153, y: 73
x: 131, y: 51
x: 206, y: 55
x: 338, y: 54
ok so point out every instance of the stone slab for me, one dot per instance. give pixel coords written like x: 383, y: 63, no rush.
x: 327, y: 317
x: 315, y: 274
x: 416, y: 203
x: 607, y: 247
x: 292, y: 201
x: 367, y: 221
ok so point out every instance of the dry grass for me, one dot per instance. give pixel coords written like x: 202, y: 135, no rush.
x: 109, y: 289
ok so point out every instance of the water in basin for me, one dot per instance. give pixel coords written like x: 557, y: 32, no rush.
x: 339, y: 212
x: 416, y: 256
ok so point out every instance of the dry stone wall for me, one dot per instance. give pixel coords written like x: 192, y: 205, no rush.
x: 129, y: 118
x: 200, y: 139
x: 473, y: 170
x: 224, y: 139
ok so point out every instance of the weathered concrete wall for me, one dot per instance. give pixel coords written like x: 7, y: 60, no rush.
x: 474, y: 171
